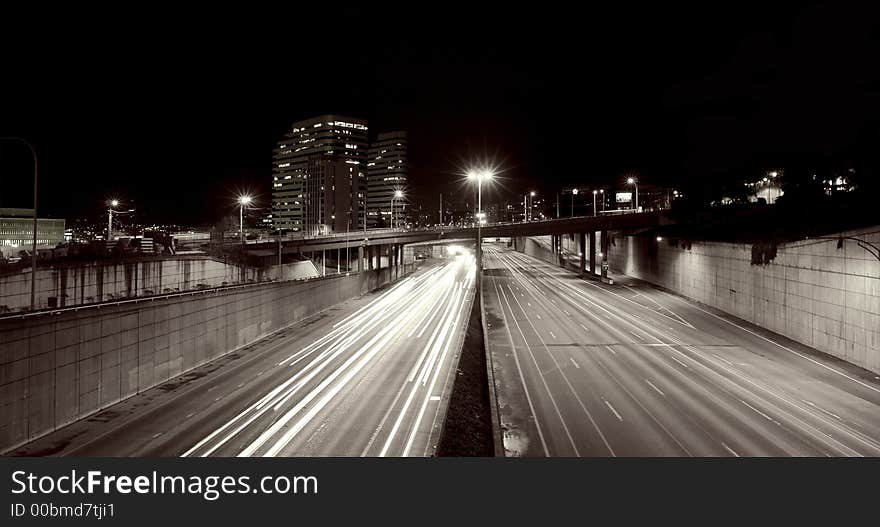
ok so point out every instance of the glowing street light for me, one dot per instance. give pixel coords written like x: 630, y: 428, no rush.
x: 397, y: 195
x: 632, y: 181
x: 479, y: 175
x: 112, y: 204
x: 531, y: 203
x: 243, y: 201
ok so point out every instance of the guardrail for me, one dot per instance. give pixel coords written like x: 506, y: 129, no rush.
x: 163, y: 296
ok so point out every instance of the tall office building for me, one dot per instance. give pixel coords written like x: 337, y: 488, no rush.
x: 386, y: 174
x: 318, y: 175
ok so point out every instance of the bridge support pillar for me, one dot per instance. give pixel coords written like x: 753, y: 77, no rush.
x: 560, y: 246
x: 592, y: 252
x: 604, y: 235
x: 562, y: 239
x: 582, y: 249
x: 393, y: 262
x: 360, y: 258
x: 379, y: 250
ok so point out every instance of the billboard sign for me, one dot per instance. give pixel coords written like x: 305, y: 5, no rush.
x: 623, y: 197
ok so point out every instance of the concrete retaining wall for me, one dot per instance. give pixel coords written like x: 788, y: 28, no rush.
x: 541, y: 247
x: 56, y: 368
x: 812, y: 292
x: 98, y: 282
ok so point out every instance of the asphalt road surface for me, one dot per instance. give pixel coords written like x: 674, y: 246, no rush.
x: 587, y: 369
x: 369, y: 377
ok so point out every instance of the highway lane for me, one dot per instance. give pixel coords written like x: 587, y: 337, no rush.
x: 587, y: 369
x: 370, y: 377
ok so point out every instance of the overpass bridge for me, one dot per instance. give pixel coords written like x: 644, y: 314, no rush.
x: 374, y: 245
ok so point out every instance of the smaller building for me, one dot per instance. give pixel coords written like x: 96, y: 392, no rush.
x: 17, y: 227
x: 387, y: 175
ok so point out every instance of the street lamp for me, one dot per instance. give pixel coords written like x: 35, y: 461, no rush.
x: 243, y: 201
x: 632, y: 181
x: 397, y: 195
x: 574, y: 192
x: 113, y: 203
x: 594, y: 201
x: 479, y: 176
x: 531, y: 203
x: 34, y: 239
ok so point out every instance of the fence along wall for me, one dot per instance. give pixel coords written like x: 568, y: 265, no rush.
x: 88, y: 283
x: 58, y: 368
x: 812, y: 292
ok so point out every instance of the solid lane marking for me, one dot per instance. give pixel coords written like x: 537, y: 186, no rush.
x: 651, y: 384
x: 617, y: 415
x: 762, y: 414
x: 838, y: 372
x: 729, y: 449
x: 498, y: 293
x: 678, y: 361
x: 822, y: 409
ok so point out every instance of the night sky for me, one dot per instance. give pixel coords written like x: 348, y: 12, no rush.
x: 176, y: 112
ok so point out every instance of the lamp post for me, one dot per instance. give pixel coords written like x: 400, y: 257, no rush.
x: 594, y: 201
x: 531, y: 203
x: 34, y: 238
x: 479, y: 176
x: 113, y: 203
x: 243, y: 201
x: 632, y: 181
x: 397, y: 195
x: 110, y: 212
x: 574, y: 192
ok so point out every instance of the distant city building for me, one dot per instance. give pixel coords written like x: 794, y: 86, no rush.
x: 386, y: 174
x: 839, y: 182
x: 456, y: 209
x: 311, y: 190
x: 17, y: 229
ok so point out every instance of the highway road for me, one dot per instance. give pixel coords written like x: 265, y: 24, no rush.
x: 369, y: 377
x: 586, y: 369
